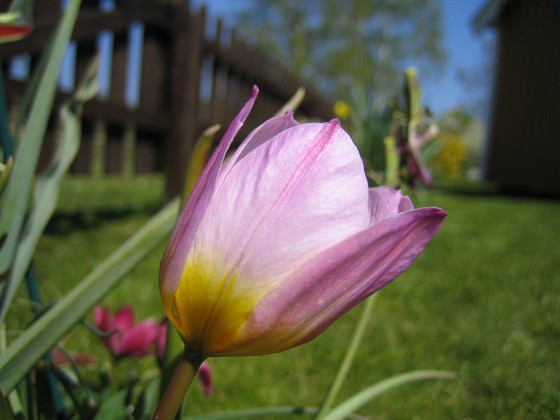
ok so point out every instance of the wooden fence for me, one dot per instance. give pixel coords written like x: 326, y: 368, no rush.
x: 185, y: 81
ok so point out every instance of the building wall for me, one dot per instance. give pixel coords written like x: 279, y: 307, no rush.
x: 524, y: 133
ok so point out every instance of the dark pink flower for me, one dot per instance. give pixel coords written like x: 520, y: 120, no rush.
x: 126, y: 339
x: 205, y: 377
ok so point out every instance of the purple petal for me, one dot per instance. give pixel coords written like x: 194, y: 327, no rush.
x: 263, y: 133
x: 334, y: 282
x: 385, y: 202
x: 181, y: 239
x: 205, y: 377
x: 284, y: 202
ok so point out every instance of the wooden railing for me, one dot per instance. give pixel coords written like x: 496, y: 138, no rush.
x: 186, y: 81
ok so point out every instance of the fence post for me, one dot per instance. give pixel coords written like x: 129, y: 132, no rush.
x: 186, y: 62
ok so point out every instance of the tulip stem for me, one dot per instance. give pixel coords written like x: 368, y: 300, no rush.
x: 178, y: 386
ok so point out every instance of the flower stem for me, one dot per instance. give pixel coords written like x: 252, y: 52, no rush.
x: 181, y: 380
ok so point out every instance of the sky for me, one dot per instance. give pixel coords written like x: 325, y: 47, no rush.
x: 464, y: 48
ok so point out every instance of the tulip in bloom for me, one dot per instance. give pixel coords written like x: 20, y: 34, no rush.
x: 282, y: 239
x: 126, y: 338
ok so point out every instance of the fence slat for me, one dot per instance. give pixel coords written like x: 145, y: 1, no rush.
x: 177, y: 59
x: 185, y: 70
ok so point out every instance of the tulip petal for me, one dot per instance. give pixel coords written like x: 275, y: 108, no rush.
x: 174, y: 257
x: 123, y: 318
x: 283, y: 202
x: 102, y: 318
x: 385, y: 202
x: 334, y: 282
x: 138, y: 340
x: 260, y: 135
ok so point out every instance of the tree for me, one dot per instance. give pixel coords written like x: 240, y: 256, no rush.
x: 345, y: 47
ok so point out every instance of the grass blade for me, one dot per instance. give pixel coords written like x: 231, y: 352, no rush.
x: 15, y: 201
x: 48, y: 186
x: 355, y: 402
x: 22, y: 354
x: 346, y: 364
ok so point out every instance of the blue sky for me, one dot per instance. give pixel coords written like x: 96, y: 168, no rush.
x: 464, y: 50
x: 441, y: 92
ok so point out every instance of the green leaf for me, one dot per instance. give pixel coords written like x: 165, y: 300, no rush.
x: 355, y: 402
x: 48, y: 186
x: 15, y: 203
x: 346, y: 364
x: 22, y: 354
x: 392, y: 162
x: 114, y: 408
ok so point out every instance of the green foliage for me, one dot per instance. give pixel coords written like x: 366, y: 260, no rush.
x: 482, y: 301
x: 341, y: 48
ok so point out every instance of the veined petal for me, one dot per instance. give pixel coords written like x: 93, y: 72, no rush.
x: 173, y: 260
x: 260, y: 135
x: 335, y: 281
x: 385, y: 202
x: 285, y: 201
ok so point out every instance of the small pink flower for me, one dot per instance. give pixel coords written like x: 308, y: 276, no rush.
x: 205, y: 377
x: 126, y: 338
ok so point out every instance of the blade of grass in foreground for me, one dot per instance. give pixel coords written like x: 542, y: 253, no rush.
x: 16, y: 198
x: 356, y: 401
x: 23, y: 353
x: 48, y: 186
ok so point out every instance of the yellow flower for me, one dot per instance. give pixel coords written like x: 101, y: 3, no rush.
x: 342, y: 109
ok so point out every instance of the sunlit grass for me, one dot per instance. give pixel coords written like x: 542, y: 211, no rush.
x: 482, y: 300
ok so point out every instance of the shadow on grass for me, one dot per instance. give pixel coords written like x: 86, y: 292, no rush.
x: 64, y: 223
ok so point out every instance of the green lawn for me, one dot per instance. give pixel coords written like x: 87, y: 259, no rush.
x: 482, y: 300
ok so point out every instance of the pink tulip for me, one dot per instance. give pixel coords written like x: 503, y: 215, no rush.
x: 282, y: 239
x: 126, y: 338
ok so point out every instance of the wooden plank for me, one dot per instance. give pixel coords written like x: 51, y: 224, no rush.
x: 270, y: 77
x: 186, y: 60
x: 117, y: 113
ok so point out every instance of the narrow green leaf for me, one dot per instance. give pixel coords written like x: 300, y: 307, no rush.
x: 48, y: 186
x: 14, y: 205
x: 199, y: 157
x: 22, y: 354
x: 293, y: 103
x: 346, y: 364
x: 355, y: 402
x: 392, y: 162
